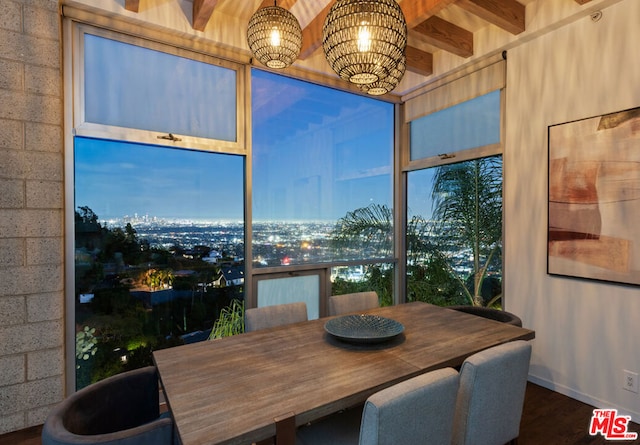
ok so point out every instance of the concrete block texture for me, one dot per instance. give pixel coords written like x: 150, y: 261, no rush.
x: 12, y: 134
x: 13, y: 369
x: 31, y: 280
x: 30, y: 49
x: 45, y: 194
x: 31, y: 337
x: 41, y: 166
x: 30, y: 395
x: 12, y: 196
x: 38, y: 415
x: 45, y: 307
x: 12, y: 75
x: 39, y: 21
x: 12, y: 251
x: 30, y: 223
x: 43, y: 364
x: 12, y: 422
x: 42, y: 80
x: 10, y: 16
x: 43, y: 137
x: 30, y: 107
x: 13, y: 311
x: 31, y: 213
x: 42, y: 251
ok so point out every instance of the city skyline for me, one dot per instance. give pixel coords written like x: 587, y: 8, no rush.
x: 119, y: 180
x: 301, y: 170
x: 116, y: 179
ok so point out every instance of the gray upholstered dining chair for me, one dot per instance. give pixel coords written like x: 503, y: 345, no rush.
x: 270, y: 316
x: 417, y: 411
x: 123, y: 409
x: 491, y: 395
x: 358, y: 301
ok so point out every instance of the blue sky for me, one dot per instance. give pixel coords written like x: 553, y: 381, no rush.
x: 116, y: 179
x: 321, y: 167
x: 317, y: 153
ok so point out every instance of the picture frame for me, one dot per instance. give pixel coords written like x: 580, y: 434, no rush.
x: 594, y: 198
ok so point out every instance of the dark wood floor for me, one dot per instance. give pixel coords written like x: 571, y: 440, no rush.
x: 548, y: 418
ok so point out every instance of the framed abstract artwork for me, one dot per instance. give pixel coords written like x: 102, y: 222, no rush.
x: 594, y: 198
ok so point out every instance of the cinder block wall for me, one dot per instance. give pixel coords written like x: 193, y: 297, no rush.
x: 31, y: 213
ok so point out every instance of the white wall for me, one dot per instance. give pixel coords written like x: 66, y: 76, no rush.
x: 587, y: 332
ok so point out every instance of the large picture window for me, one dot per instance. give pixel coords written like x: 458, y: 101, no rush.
x: 158, y: 200
x: 322, y: 184
x: 159, y: 247
x: 322, y: 173
x: 454, y: 233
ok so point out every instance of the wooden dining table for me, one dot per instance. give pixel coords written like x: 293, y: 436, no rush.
x: 254, y: 386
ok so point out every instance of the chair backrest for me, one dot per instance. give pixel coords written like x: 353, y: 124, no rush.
x: 122, y: 409
x: 359, y: 301
x: 417, y: 411
x: 276, y: 315
x: 490, y: 313
x: 491, y: 395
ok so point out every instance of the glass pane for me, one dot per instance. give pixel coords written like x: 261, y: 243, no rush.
x: 304, y: 288
x: 159, y: 250
x: 454, y: 233
x: 367, y: 277
x: 471, y: 124
x: 133, y: 87
x: 320, y: 157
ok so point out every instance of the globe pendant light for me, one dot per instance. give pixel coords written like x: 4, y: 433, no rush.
x: 364, y: 40
x: 274, y: 36
x: 386, y: 85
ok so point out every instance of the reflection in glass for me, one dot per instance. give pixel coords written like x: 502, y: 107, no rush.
x: 319, y: 155
x: 376, y: 277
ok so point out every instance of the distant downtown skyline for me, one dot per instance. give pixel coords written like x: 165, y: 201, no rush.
x: 320, y: 174
x: 118, y: 179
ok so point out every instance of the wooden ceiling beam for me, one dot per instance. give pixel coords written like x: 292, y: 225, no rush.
x: 506, y: 14
x: 445, y: 35
x: 132, y: 5
x: 202, y: 10
x: 417, y: 11
x: 312, y: 33
x: 418, y: 61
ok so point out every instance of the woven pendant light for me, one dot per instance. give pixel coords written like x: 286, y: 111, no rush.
x: 364, y: 40
x: 387, y: 85
x: 274, y: 36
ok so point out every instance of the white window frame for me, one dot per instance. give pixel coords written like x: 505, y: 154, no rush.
x: 75, y: 125
x: 88, y: 129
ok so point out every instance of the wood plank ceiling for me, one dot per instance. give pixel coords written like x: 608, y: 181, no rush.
x: 427, y: 28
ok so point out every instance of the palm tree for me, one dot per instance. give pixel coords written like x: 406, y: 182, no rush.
x: 368, y: 229
x: 467, y: 217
